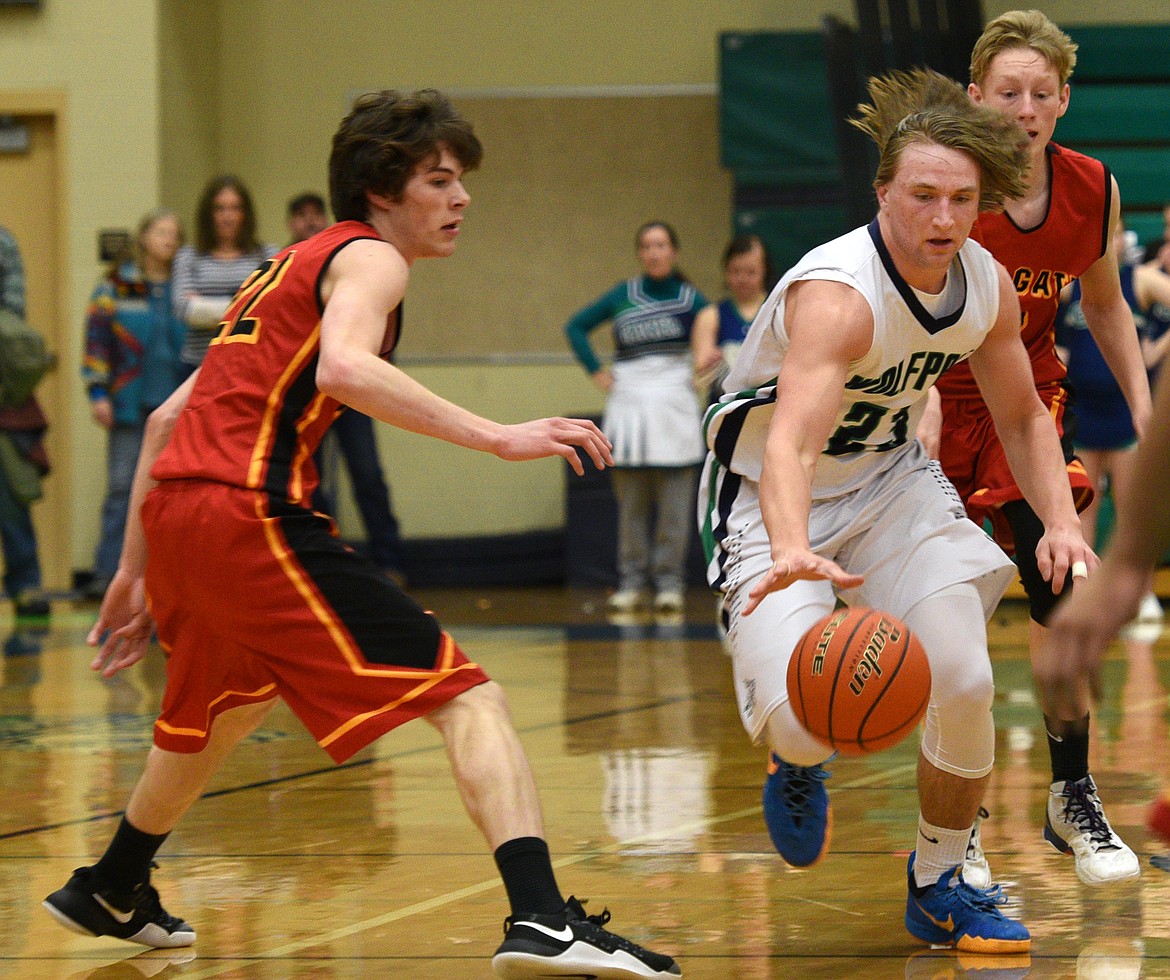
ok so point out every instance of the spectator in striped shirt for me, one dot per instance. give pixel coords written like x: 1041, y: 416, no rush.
x: 208, y: 273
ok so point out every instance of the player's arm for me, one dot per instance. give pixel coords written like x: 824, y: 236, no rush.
x: 124, y: 627
x: 366, y: 281
x: 1110, y: 321
x: 930, y: 425
x: 1029, y: 438
x: 704, y: 349
x: 808, y: 399
x: 1083, y: 626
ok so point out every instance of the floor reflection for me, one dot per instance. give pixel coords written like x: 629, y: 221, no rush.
x: 292, y: 867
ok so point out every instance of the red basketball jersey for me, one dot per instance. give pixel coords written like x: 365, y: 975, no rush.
x: 255, y: 416
x: 1042, y: 260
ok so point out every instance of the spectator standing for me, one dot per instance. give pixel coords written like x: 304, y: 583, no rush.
x: 652, y: 417
x: 1156, y: 336
x: 132, y: 345
x: 208, y: 273
x: 720, y: 329
x: 23, y: 461
x: 1104, y: 435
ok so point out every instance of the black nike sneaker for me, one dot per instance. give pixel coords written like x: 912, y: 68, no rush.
x: 572, y: 944
x: 89, y: 906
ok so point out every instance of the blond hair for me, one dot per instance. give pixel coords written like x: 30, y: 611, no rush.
x: 136, y: 250
x: 1024, y: 29
x: 922, y: 106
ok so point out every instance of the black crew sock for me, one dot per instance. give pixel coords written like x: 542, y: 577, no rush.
x: 126, y: 863
x: 1068, y: 745
x: 527, y: 871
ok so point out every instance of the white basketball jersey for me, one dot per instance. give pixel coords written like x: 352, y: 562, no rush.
x: 885, y: 393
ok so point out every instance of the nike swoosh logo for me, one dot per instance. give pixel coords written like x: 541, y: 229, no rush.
x: 564, y: 934
x: 122, y: 917
x: 948, y: 924
x: 933, y: 840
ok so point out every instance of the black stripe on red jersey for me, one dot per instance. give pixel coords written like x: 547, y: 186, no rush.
x: 286, y: 438
x: 1108, y: 208
x: 388, y: 628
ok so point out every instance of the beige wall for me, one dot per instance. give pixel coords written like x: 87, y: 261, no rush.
x: 189, y: 88
x: 444, y: 491
x: 159, y: 94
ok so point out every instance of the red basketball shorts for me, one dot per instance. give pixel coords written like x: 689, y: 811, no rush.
x: 255, y: 598
x: 974, y: 461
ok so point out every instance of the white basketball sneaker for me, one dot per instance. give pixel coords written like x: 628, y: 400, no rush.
x: 1150, y: 610
x: 1076, y: 825
x: 626, y: 600
x: 976, y: 870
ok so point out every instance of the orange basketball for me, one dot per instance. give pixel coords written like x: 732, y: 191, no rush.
x: 859, y: 680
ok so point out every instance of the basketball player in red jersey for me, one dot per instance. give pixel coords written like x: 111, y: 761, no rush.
x: 1059, y: 231
x: 251, y: 592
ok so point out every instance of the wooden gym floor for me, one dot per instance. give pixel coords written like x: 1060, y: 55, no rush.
x: 291, y: 867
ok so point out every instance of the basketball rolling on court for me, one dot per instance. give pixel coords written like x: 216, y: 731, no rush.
x: 651, y: 794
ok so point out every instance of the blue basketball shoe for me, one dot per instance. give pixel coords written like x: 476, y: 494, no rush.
x: 796, y: 810
x: 952, y: 913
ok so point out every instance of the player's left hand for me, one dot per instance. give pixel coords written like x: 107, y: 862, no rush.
x: 1061, y: 551
x: 556, y: 437
x: 123, y: 628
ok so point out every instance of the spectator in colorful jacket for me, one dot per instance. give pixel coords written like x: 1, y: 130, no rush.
x: 132, y: 345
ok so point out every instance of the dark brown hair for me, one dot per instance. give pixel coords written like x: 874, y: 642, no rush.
x: 205, y: 240
x: 744, y: 243
x: 383, y: 140
x: 672, y: 237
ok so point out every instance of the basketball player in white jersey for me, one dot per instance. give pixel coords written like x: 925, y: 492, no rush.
x: 815, y: 488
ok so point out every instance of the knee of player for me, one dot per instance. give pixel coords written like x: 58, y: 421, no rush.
x: 487, y: 697
x: 968, y: 689
x: 791, y: 741
x: 478, y: 706
x: 1041, y: 599
x: 1041, y: 602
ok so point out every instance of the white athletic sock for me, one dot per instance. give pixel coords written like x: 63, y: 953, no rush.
x: 939, y: 850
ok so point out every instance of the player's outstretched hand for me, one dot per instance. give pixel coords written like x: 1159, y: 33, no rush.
x: 1062, y: 551
x: 123, y: 628
x: 556, y: 437
x: 795, y: 565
